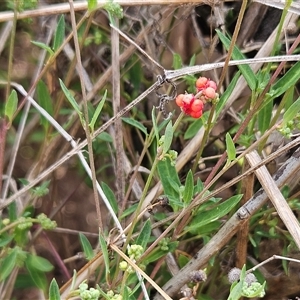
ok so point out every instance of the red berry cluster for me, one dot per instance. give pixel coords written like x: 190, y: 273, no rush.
x: 192, y: 104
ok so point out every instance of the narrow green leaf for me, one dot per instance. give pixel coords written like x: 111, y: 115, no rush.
x: 38, y: 277
x: 92, y: 4
x: 106, y: 137
x: 158, y: 252
x: 97, y: 111
x: 110, y: 197
x: 168, y: 137
x: 193, y: 129
x: 12, y: 211
x: 70, y: 98
x: 74, y: 277
x: 169, y: 179
x: 43, y: 46
x: 54, y: 290
x: 11, y: 105
x: 105, y: 253
x: 177, y: 62
x: 188, y: 188
x: 206, y: 217
x: 129, y: 211
x: 136, y: 124
x: 86, y: 246
x: 39, y: 263
x: 144, y: 235
x: 230, y: 148
x: 291, y: 112
x: 235, y: 291
x: 59, y: 35
x: 7, y: 264
x: 264, y: 117
x: 5, y: 239
x: 154, y: 123
x: 290, y: 78
x: 45, y: 102
x: 237, y: 54
x: 192, y: 60
x: 135, y: 74
x: 225, y: 96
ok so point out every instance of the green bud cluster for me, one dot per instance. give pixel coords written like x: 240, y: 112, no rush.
x: 164, y: 244
x: 255, y: 289
x: 24, y: 223
x: 88, y: 294
x: 45, y: 222
x: 113, y: 296
x: 288, y: 128
x: 135, y: 252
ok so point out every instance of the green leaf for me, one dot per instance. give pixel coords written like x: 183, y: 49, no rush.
x: 97, y: 111
x: 92, y: 4
x: 199, y: 186
x: 144, y: 235
x: 193, y: 129
x: 235, y: 291
x: 59, y: 35
x: 129, y: 211
x: 136, y: 124
x: 11, y: 105
x: 237, y: 54
x: 5, y: 239
x: 38, y: 277
x: 71, y: 98
x: 105, y: 253
x: 155, y: 124
x: 12, y: 212
x: 289, y: 79
x: 86, y: 246
x: 192, y: 60
x: 43, y: 46
x: 291, y: 112
x: 158, y: 253
x: 135, y: 73
x: 230, y: 148
x: 264, y: 117
x: 182, y: 260
x: 8, y: 263
x: 188, y: 188
x: 110, y: 197
x: 45, y: 102
x: 106, y: 137
x: 114, y: 10
x: 39, y: 263
x: 206, y: 217
x: 54, y: 290
x: 168, y: 137
x: 169, y: 179
x: 225, y: 96
x: 177, y: 62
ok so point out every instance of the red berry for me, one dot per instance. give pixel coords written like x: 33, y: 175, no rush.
x: 209, y: 93
x: 197, y: 105
x: 196, y: 114
x: 212, y: 84
x: 179, y: 99
x: 188, y: 99
x: 201, y: 83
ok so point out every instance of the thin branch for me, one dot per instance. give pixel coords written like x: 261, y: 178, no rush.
x: 63, y: 8
x: 92, y: 170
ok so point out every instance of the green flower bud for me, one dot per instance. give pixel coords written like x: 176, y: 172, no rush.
x: 123, y: 265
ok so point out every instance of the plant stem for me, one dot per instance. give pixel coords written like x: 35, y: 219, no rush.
x: 86, y: 116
